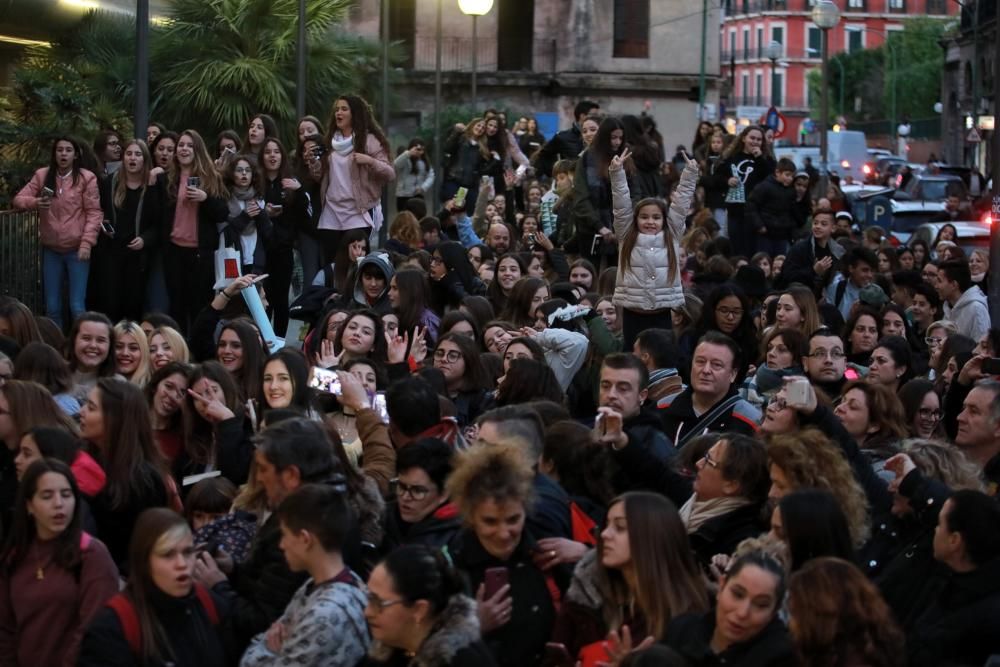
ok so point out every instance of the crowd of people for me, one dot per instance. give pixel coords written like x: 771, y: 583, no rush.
x: 603, y: 406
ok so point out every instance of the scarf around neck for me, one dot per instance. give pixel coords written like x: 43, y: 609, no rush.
x: 342, y: 146
x: 238, y: 202
x: 696, y: 512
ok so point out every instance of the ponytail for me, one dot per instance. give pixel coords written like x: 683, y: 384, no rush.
x: 422, y: 573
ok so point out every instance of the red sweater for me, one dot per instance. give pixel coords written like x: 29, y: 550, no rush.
x: 42, y: 621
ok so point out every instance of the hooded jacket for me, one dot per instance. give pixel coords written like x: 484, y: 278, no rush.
x: 970, y: 313
x: 454, y: 642
x: 650, y: 283
x: 770, y: 207
x: 381, y: 304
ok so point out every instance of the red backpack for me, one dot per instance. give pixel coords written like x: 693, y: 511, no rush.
x: 125, y: 611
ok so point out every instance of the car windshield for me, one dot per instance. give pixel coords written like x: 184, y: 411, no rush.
x: 907, y: 221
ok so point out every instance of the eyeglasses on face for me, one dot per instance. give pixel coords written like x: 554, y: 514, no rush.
x: 242, y: 170
x: 379, y: 603
x: 729, y: 313
x: 450, y: 355
x: 933, y: 341
x: 414, y: 491
x: 927, y: 413
x: 836, y: 355
x: 709, y: 461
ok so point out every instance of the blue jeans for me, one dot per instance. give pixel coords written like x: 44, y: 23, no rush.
x: 54, y: 266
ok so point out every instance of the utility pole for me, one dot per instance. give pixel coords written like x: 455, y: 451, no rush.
x: 994, y: 295
x: 300, y: 65
x: 141, y: 68
x: 437, y: 100
x: 701, y: 69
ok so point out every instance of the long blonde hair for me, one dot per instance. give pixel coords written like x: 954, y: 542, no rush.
x: 176, y: 342
x: 143, y: 370
x: 121, y: 189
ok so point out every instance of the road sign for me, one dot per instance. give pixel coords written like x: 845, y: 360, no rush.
x: 879, y: 212
x: 973, y: 137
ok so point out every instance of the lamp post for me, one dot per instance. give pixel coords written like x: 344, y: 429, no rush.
x: 774, y: 51
x: 475, y: 9
x: 141, y: 68
x: 825, y: 15
x: 300, y: 63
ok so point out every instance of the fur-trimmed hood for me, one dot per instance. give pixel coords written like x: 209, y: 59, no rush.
x: 456, y: 629
x: 583, y: 588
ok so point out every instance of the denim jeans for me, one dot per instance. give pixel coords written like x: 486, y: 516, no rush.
x: 54, y: 266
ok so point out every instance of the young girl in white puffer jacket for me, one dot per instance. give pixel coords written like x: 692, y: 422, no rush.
x: 649, y: 275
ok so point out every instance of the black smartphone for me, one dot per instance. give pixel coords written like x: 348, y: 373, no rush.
x: 194, y: 181
x: 596, y: 244
x: 991, y: 366
x: 48, y: 192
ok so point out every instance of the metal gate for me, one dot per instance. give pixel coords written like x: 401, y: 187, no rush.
x: 21, y: 258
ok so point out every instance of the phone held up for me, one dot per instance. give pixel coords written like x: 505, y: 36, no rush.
x: 325, y: 381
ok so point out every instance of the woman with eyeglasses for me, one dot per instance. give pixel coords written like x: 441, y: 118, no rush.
x: 419, y: 614
x: 922, y: 408
x: 453, y: 276
x: 422, y: 512
x: 458, y: 358
x: 166, y: 395
x: 938, y: 333
x: 727, y: 310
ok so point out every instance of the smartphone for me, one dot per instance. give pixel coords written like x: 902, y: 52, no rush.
x: 325, y: 381
x: 599, y: 429
x: 194, y: 181
x: 108, y: 228
x: 495, y: 579
x: 532, y: 239
x: 227, y: 150
x: 796, y: 392
x: 276, y: 209
x: 378, y: 405
x: 596, y: 244
x: 460, y: 197
x: 991, y: 366
x: 48, y: 192
x: 612, y: 423
x: 557, y: 655
x: 260, y: 278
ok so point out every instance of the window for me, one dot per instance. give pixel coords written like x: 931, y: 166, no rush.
x: 745, y: 87
x: 631, y: 28
x: 814, y: 42
x: 760, y: 42
x: 855, y: 39
x: 746, y: 43
x: 897, y: 6
x: 759, y: 87
x: 856, y: 4
x: 732, y: 43
x: 777, y: 88
x: 778, y: 34
x: 936, y: 7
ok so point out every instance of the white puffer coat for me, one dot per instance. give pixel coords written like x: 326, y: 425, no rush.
x: 651, y: 283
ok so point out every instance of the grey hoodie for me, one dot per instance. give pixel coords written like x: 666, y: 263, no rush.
x: 381, y: 260
x: 971, y: 313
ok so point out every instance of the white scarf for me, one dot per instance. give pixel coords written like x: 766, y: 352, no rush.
x: 341, y: 145
x: 696, y: 512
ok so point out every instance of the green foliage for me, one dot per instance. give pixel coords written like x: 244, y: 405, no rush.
x: 907, y: 72
x: 212, y: 66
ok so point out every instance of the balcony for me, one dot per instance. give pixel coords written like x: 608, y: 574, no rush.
x: 456, y: 54
x: 788, y: 104
x: 758, y: 55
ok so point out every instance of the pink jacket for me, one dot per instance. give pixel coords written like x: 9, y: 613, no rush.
x: 73, y: 219
x: 367, y: 181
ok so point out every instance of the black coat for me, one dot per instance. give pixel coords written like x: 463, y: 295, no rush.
x: 678, y: 417
x: 565, y: 145
x: 259, y: 589
x: 194, y: 641
x: 769, y: 207
x: 752, y: 170
x: 691, y: 636
x: 115, y: 524
x: 522, y: 640
x: 435, y: 530
x: 962, y: 625
x: 798, y: 266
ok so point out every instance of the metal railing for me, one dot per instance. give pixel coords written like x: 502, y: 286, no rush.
x: 21, y: 258
x: 456, y: 54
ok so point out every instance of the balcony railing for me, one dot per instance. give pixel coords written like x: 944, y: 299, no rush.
x: 456, y: 54
x: 764, y: 100
x: 21, y: 258
x: 759, y: 55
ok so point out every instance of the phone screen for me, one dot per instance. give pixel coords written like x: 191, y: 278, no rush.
x: 325, y: 381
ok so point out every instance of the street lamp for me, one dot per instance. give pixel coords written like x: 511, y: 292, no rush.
x: 475, y: 9
x: 825, y: 15
x: 774, y: 51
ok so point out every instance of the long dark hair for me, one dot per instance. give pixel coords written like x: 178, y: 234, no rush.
x: 270, y: 128
x: 298, y: 371
x: 379, y: 347
x: 50, y: 177
x: 745, y: 333
x: 815, y: 525
x: 735, y: 146
x: 248, y: 377
x: 158, y: 376
x: 363, y: 123
x: 285, y: 170
x: 601, y: 149
x: 413, y: 297
x: 131, y: 459
x: 150, y: 527
x: 23, y: 531
x: 343, y: 267
x: 519, y: 301
x: 423, y: 158
x: 199, y: 433
x: 475, y: 374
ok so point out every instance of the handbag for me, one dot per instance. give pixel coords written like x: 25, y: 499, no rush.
x: 227, y: 264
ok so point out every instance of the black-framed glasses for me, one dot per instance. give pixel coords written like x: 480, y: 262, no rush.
x: 451, y: 355
x: 735, y: 313
x: 927, y: 413
x: 414, y: 491
x: 836, y: 355
x: 436, y: 260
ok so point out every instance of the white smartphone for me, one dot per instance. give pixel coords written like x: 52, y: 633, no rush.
x: 797, y: 392
x: 325, y: 381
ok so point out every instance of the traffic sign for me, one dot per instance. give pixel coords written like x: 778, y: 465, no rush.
x: 973, y: 137
x: 774, y: 120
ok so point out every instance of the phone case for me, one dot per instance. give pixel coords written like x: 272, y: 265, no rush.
x: 495, y: 579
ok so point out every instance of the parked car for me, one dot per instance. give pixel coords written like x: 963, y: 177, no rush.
x: 926, y: 187
x: 971, y: 234
x: 882, y: 169
x: 907, y: 216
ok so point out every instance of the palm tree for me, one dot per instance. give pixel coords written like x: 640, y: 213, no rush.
x: 218, y: 62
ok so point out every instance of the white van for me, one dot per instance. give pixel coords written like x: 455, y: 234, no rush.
x: 846, y: 151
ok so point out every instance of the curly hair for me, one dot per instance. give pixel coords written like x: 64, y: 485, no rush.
x: 490, y: 472
x: 840, y: 618
x: 944, y: 462
x: 810, y: 460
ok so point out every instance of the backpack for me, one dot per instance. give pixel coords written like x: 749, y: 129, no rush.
x: 125, y: 611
